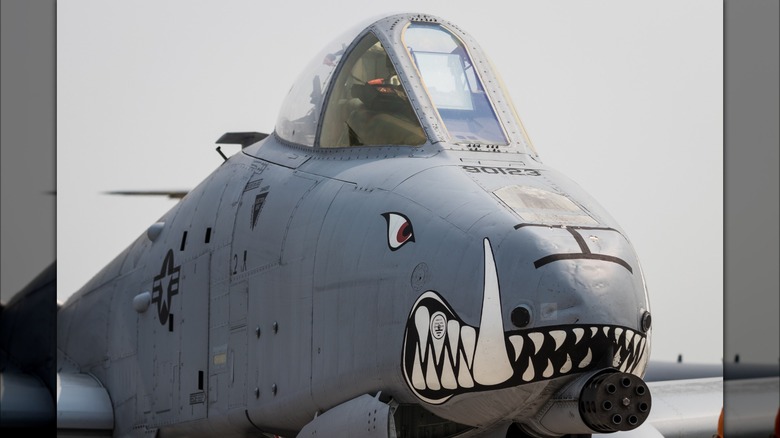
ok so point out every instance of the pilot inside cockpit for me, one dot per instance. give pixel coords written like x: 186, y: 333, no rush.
x: 368, y: 105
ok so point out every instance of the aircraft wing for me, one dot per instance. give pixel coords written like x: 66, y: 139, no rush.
x: 684, y: 408
x: 694, y: 407
x: 752, y: 407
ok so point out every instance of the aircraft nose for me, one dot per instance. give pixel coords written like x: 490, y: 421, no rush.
x: 571, y: 275
x: 576, y: 318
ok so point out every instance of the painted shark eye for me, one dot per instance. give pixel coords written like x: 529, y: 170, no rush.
x: 399, y: 230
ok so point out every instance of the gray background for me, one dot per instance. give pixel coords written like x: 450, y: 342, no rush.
x: 752, y: 72
x: 27, y: 154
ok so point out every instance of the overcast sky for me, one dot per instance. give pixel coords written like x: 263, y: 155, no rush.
x: 624, y: 97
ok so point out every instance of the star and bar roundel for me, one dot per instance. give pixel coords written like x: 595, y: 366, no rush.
x: 165, y: 287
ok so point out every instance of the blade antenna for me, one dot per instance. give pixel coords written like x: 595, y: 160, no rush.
x: 219, y: 149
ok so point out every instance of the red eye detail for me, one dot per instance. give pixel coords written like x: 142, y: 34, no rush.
x: 399, y: 230
x: 404, y: 232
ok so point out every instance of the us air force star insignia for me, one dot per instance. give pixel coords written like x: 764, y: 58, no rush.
x: 162, y: 294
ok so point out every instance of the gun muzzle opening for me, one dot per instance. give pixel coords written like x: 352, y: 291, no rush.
x: 614, y: 402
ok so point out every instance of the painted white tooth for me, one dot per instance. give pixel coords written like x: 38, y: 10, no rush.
x: 641, y: 363
x: 559, y: 336
x: 422, y: 320
x: 593, y: 331
x: 623, y: 367
x: 418, y: 380
x: 638, y: 355
x: 448, y: 374
x: 578, y: 332
x: 586, y: 361
x: 491, y: 358
x: 606, y: 332
x: 528, y: 375
x: 616, y: 359
x: 549, y: 370
x: 453, y: 333
x: 636, y: 358
x: 464, y: 378
x: 469, y: 338
x: 431, y: 379
x: 537, y: 339
x: 517, y: 343
x: 629, y: 337
x: 618, y: 331
x: 642, y: 352
x: 566, y: 365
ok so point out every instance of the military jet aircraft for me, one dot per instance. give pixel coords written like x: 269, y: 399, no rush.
x: 393, y: 260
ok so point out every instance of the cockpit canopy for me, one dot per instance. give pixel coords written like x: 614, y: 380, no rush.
x: 367, y: 105
x: 404, y: 80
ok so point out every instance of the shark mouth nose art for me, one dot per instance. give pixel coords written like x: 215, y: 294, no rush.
x: 443, y: 356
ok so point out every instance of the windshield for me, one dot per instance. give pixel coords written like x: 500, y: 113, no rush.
x: 453, y: 85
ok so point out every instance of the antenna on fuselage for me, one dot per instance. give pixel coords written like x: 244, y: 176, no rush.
x: 219, y: 149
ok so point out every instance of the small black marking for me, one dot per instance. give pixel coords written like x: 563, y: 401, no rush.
x: 586, y: 254
x: 257, y: 208
x: 492, y: 170
x: 580, y: 241
x: 197, y: 398
x: 243, y: 268
x: 208, y: 234
x: 251, y: 185
x: 250, y: 420
x: 170, y: 322
x: 183, y: 241
x: 200, y: 380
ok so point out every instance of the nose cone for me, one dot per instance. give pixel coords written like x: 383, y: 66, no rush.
x: 574, y: 275
x: 578, y: 296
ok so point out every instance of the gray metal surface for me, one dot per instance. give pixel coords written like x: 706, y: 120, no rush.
x: 364, y: 416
